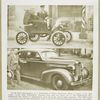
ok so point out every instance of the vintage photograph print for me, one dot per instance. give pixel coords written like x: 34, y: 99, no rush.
x: 49, y: 69
x: 50, y: 47
x: 50, y: 26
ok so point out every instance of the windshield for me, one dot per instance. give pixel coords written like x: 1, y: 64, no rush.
x: 49, y: 54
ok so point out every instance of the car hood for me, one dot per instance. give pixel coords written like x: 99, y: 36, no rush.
x: 60, y: 60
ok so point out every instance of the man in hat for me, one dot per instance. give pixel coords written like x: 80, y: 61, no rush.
x: 13, y: 68
x: 42, y: 14
x: 43, y: 17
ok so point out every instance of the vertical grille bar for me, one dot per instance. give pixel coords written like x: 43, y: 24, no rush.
x: 78, y: 67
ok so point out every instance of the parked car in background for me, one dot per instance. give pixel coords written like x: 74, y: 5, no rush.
x: 45, y: 65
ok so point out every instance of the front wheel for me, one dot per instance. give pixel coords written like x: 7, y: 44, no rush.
x: 58, y: 38
x: 34, y: 37
x: 59, y: 83
x: 21, y: 38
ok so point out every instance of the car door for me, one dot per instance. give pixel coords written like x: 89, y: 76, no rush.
x: 33, y: 65
x: 23, y: 63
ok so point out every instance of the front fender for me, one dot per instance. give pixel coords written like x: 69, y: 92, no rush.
x: 48, y: 74
x: 58, y: 32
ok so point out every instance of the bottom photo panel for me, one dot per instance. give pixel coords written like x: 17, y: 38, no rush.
x: 49, y: 69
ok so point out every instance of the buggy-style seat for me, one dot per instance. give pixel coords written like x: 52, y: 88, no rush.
x: 37, y: 26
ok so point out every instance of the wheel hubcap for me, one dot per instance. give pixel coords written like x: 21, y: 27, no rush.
x: 59, y: 83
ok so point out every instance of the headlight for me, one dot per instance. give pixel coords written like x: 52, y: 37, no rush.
x: 73, y: 67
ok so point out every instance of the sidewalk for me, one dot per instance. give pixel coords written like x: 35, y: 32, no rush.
x: 75, y: 36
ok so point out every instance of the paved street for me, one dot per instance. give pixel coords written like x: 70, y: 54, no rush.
x: 43, y: 43
x: 27, y: 84
x: 49, y: 44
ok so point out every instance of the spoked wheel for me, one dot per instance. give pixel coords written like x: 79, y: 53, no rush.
x: 59, y: 83
x: 68, y: 36
x: 21, y: 38
x: 58, y: 38
x: 34, y: 37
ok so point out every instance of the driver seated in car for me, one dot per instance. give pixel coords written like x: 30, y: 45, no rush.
x: 43, y: 16
x: 29, y: 20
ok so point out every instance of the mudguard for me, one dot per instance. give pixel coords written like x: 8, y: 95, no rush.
x: 48, y: 74
x: 58, y: 32
x: 21, y: 29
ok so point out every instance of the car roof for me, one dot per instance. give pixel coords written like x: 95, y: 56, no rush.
x: 36, y: 50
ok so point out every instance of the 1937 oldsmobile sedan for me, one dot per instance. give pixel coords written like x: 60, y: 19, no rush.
x: 45, y: 65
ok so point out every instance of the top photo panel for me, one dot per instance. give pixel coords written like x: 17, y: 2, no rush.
x: 43, y: 26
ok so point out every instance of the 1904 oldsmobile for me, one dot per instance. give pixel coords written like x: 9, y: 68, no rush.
x: 58, y: 33
x: 45, y: 65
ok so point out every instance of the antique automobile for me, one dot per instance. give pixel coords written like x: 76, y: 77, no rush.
x: 47, y: 66
x: 57, y: 33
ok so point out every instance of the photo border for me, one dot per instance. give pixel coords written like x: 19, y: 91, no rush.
x: 1, y: 56
x: 99, y: 50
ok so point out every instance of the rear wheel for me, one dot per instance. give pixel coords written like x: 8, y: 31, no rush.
x: 59, y: 83
x: 58, y: 38
x: 21, y: 38
x: 34, y: 37
x: 68, y: 36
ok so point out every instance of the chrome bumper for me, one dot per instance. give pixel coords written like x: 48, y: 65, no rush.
x: 80, y: 82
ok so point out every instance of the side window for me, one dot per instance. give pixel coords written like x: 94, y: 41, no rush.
x: 33, y: 55
x: 22, y: 54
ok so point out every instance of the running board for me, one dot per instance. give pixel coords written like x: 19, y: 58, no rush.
x: 32, y: 78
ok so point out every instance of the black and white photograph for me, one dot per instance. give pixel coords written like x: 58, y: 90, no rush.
x: 50, y: 47
x: 50, y: 26
x: 49, y: 69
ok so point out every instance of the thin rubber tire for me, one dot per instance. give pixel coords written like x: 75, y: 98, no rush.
x: 21, y: 38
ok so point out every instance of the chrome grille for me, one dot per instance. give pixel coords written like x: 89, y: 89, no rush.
x: 78, y: 68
